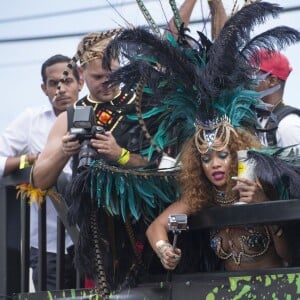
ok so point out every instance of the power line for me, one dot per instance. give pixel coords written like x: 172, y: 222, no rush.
x: 87, y: 9
x: 63, y: 13
x: 79, y: 34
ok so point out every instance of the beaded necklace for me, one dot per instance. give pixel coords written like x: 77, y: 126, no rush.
x: 223, y: 199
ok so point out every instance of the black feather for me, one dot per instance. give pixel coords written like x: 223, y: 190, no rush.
x: 77, y: 191
x: 278, y: 173
x: 162, y: 56
x: 274, y: 39
x: 226, y: 67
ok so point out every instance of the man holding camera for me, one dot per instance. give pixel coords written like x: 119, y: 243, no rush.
x: 119, y: 144
x: 62, y: 145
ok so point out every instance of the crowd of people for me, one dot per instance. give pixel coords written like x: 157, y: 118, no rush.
x: 196, y: 102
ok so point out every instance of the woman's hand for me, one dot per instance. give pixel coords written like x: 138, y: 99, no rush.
x: 168, y: 257
x: 249, y: 190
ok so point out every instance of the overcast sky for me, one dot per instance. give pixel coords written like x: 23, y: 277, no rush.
x: 20, y: 63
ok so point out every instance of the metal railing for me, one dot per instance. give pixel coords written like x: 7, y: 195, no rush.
x: 14, y: 227
x: 15, y: 237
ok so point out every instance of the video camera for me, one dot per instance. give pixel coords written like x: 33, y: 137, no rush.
x: 177, y: 223
x: 84, y: 128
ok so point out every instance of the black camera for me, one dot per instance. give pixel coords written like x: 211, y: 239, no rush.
x: 85, y: 128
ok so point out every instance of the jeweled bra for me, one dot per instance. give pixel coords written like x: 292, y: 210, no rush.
x: 256, y: 242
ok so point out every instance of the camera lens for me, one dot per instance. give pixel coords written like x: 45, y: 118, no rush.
x: 86, y: 154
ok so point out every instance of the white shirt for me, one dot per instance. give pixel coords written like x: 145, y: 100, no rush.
x: 287, y: 133
x: 28, y: 133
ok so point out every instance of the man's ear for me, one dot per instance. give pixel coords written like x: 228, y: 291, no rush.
x: 44, y: 89
x: 81, y: 81
x: 80, y: 72
x: 274, y: 80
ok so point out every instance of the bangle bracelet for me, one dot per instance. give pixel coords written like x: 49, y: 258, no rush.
x: 279, y: 231
x: 124, y: 158
x: 23, y: 161
x: 162, y: 246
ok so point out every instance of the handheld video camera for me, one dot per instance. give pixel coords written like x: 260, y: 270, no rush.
x: 84, y: 128
x: 177, y: 223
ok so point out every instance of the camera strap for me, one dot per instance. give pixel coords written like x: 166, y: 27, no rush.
x: 75, y: 160
x: 70, y: 115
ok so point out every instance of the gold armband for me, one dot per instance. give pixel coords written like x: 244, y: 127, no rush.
x: 124, y: 158
x: 23, y: 161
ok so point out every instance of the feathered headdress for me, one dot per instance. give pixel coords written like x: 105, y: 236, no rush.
x: 209, y: 85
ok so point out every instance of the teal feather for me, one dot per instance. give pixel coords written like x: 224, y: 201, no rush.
x: 101, y: 182
x: 171, y: 39
x: 144, y: 190
x: 108, y: 202
x: 138, y: 191
x: 132, y: 201
x: 114, y: 196
x: 123, y: 198
x: 237, y: 105
x: 161, y: 195
x: 119, y: 184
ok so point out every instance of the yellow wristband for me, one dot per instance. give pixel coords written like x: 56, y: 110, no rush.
x: 124, y: 158
x: 23, y: 161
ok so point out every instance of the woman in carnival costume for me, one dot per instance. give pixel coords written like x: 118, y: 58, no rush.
x: 207, y: 98
x: 209, y: 158
x: 208, y: 178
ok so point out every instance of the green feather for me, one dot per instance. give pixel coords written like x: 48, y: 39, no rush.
x: 123, y: 197
x: 132, y: 201
x: 108, y: 193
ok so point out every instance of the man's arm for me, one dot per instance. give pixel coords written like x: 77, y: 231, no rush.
x: 54, y: 157
x: 14, y: 163
x: 218, y: 17
x: 185, y: 12
x: 14, y: 142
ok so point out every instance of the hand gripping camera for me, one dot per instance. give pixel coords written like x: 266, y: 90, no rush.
x: 177, y: 223
x: 84, y: 128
